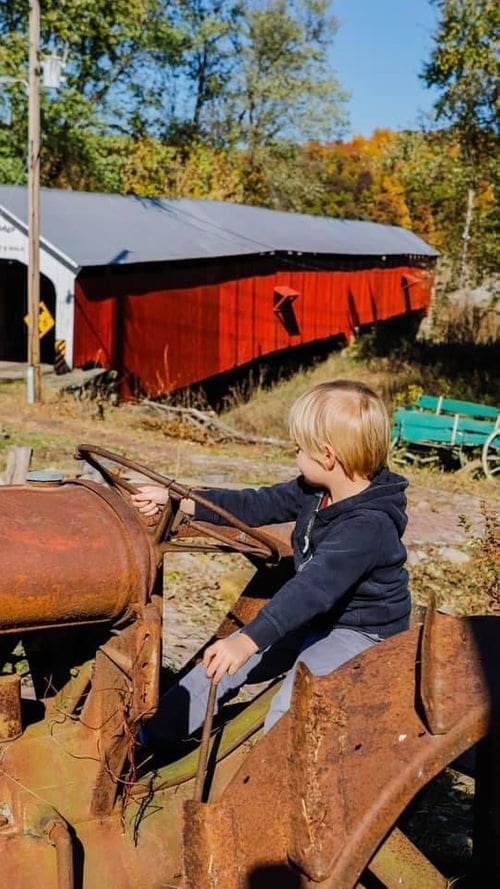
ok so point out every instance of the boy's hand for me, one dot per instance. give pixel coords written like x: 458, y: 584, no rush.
x: 152, y: 498
x: 149, y: 499
x: 228, y: 655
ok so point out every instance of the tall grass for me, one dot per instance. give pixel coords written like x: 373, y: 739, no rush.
x: 264, y: 410
x: 390, y: 357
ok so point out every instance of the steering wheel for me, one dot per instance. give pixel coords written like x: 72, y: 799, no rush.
x: 250, y: 541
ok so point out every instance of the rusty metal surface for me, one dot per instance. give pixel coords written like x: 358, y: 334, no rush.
x: 281, y: 535
x: 75, y: 763
x: 338, y: 769
x: 10, y: 707
x: 312, y: 801
x: 59, y: 836
x: 70, y: 554
x: 461, y: 649
x: 354, y: 750
x: 205, y: 744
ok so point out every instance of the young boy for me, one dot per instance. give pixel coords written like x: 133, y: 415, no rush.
x: 350, y: 589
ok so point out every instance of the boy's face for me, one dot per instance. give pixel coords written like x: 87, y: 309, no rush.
x: 314, y: 471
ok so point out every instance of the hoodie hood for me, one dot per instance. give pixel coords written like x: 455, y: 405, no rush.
x: 386, y: 493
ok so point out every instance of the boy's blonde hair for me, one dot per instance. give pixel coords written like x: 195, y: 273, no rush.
x: 348, y: 417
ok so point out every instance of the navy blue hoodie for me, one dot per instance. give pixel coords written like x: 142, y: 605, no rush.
x: 349, y: 558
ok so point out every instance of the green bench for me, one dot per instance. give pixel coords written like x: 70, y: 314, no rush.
x: 441, y: 405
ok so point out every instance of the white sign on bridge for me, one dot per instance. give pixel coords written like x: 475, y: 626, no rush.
x: 13, y: 242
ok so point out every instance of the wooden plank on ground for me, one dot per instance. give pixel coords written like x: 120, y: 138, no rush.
x: 18, y: 464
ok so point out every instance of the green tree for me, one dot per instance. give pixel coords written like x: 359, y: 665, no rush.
x: 116, y: 53
x: 187, y: 72
x: 284, y: 88
x: 199, y: 78
x: 436, y: 176
x: 257, y: 74
x: 464, y: 68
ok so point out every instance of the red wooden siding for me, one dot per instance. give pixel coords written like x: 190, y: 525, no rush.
x: 166, y: 338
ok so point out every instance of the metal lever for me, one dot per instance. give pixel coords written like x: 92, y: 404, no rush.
x: 204, y: 746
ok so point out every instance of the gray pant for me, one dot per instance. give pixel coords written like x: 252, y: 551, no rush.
x: 182, y: 708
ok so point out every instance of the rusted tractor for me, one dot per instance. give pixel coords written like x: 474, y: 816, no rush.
x: 314, y: 803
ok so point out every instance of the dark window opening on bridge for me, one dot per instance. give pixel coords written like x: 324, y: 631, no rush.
x: 283, y: 307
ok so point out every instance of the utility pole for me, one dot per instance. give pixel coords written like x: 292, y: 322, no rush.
x: 34, y: 377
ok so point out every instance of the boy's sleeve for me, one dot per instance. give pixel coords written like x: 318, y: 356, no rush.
x: 261, y: 506
x: 337, y: 565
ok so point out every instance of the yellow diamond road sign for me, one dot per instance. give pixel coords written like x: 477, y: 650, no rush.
x: 45, y: 320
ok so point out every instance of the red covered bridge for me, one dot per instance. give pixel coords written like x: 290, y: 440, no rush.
x: 172, y: 292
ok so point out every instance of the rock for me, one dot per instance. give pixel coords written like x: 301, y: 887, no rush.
x: 416, y: 556
x: 451, y: 554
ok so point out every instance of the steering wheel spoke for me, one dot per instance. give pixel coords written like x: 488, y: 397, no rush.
x: 249, y: 541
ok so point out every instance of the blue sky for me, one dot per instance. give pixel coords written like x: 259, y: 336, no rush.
x: 378, y: 53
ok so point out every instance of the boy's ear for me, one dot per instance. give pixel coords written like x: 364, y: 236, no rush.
x: 330, y: 457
